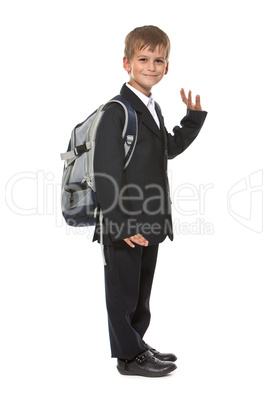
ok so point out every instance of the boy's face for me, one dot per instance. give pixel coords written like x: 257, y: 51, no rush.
x: 146, y: 68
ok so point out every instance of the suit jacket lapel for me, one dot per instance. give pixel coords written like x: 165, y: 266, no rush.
x: 140, y: 107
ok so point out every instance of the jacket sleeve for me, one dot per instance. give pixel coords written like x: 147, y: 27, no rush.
x: 183, y: 136
x: 109, y: 174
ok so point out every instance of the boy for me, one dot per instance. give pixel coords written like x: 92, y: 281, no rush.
x: 136, y: 201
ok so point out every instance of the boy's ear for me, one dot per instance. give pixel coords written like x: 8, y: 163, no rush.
x: 166, y: 71
x: 126, y: 64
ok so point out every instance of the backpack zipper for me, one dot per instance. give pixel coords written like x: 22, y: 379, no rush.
x: 89, y: 182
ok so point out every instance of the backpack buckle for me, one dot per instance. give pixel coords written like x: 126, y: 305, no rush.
x: 80, y: 149
x: 130, y: 139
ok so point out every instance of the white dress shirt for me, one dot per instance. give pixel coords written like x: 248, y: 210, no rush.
x: 148, y: 101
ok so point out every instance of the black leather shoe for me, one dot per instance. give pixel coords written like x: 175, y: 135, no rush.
x: 145, y: 365
x: 166, y: 357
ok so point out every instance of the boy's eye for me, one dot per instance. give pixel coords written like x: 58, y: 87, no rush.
x: 159, y: 61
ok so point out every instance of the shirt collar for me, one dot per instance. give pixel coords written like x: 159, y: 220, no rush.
x: 145, y: 99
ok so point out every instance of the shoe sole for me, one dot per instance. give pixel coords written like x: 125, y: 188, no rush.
x: 147, y: 374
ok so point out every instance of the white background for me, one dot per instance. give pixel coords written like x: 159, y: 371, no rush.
x: 60, y: 61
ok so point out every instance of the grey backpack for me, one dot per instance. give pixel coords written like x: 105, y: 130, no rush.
x: 79, y: 201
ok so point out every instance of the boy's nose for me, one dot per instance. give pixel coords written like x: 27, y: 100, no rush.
x: 151, y: 66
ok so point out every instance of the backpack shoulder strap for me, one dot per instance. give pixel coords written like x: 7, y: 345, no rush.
x: 130, y: 130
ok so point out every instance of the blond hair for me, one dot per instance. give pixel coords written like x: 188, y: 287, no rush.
x: 146, y: 36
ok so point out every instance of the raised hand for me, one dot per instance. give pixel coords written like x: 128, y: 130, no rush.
x: 188, y: 101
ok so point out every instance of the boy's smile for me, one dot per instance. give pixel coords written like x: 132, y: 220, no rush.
x: 146, y: 68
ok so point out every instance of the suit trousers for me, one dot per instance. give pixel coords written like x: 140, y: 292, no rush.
x: 128, y: 281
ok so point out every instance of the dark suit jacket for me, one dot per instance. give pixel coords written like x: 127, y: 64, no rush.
x: 137, y: 200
